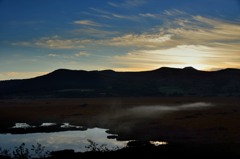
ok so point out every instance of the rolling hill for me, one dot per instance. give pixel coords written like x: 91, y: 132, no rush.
x: 63, y: 83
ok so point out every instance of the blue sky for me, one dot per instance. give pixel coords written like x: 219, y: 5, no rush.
x: 39, y: 36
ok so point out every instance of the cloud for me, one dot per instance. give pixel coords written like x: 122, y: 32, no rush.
x: 96, y: 15
x: 60, y: 43
x: 202, y: 30
x: 149, y: 15
x: 92, y: 32
x: 180, y: 39
x: 52, y: 55
x: 70, y: 56
x: 87, y: 22
x: 82, y: 53
x: 56, y: 42
x: 187, y: 30
x: 174, y: 12
x: 190, y: 30
x: 140, y: 40
x: 128, y: 3
x: 110, y: 15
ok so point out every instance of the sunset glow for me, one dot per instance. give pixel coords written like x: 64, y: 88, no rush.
x: 38, y: 37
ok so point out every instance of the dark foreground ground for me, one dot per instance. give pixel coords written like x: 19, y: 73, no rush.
x: 167, y: 151
x: 212, y: 130
x: 142, y: 149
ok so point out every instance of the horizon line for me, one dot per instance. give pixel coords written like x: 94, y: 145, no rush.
x: 43, y: 73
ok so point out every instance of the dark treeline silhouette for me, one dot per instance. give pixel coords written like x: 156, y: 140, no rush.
x: 160, y: 82
x: 133, y: 149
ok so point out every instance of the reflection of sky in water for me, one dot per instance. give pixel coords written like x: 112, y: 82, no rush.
x: 158, y: 143
x: 76, y: 140
x: 48, y: 124
x: 22, y: 125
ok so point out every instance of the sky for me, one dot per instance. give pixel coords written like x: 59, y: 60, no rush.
x: 40, y: 36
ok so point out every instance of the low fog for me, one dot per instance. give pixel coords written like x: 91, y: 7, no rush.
x: 157, y: 110
x: 162, y: 109
x: 125, y: 118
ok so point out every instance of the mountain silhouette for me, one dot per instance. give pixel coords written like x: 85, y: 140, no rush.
x: 164, y: 81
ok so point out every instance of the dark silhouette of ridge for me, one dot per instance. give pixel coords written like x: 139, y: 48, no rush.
x: 164, y: 81
x: 190, y: 68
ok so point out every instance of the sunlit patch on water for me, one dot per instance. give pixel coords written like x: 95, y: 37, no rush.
x: 158, y: 143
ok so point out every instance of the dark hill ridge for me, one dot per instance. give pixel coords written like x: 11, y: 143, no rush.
x: 160, y: 82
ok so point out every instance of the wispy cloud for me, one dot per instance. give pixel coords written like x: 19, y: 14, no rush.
x: 149, y: 15
x: 82, y: 53
x: 69, y: 55
x: 87, y: 22
x: 174, y: 12
x: 55, y: 42
x: 92, y: 32
x: 128, y: 3
x: 191, y: 30
x: 60, y: 43
x: 140, y: 40
x: 111, y: 15
x: 52, y: 55
x: 195, y: 30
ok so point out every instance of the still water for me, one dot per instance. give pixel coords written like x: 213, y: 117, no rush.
x: 76, y: 140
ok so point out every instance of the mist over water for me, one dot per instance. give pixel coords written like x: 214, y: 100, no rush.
x: 153, y: 110
x: 128, y: 119
x: 164, y: 108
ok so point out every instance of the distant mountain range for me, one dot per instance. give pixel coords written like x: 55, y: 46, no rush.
x: 63, y: 83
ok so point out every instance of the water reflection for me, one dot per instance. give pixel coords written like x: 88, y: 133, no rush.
x: 22, y: 125
x: 67, y: 125
x: 48, y: 124
x: 76, y: 140
x: 158, y: 143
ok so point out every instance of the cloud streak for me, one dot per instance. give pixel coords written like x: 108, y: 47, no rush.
x: 70, y: 56
x: 55, y: 42
x: 141, y: 40
x: 92, y: 32
x: 87, y: 22
x: 82, y: 53
x: 111, y: 15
